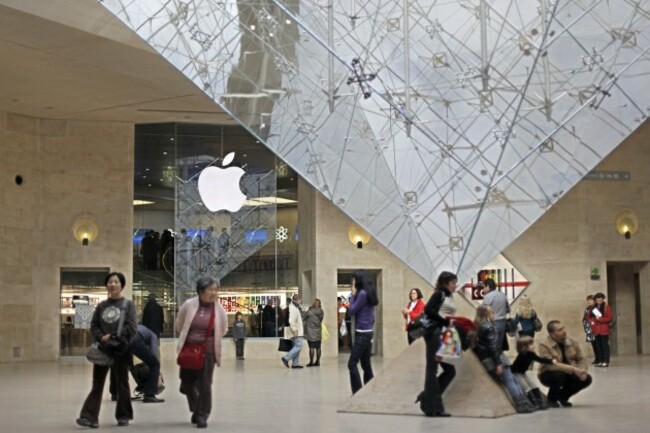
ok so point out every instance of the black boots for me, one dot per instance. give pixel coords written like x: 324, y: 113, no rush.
x: 427, y: 407
x: 535, y: 397
x: 523, y: 405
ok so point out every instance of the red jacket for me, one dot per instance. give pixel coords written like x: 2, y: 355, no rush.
x: 415, y: 313
x: 600, y: 325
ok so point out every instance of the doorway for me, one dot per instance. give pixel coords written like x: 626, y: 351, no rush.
x: 624, y: 291
x: 82, y: 289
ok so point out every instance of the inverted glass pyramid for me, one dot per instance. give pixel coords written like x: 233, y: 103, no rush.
x: 444, y: 128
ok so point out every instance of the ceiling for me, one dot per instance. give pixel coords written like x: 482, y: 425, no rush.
x: 101, y: 69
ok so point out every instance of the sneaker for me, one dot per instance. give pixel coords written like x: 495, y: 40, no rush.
x: 152, y: 399
x: 296, y: 366
x: 123, y: 422
x: 604, y: 365
x: 285, y: 362
x: 85, y: 422
x: 565, y: 403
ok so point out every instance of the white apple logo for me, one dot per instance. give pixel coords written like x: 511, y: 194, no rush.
x: 219, y: 187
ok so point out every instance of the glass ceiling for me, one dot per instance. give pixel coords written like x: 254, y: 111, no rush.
x: 444, y: 128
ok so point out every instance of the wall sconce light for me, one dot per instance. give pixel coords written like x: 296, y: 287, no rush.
x: 85, y: 229
x: 358, y: 236
x: 627, y: 223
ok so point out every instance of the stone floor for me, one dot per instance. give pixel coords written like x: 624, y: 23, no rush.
x: 263, y: 396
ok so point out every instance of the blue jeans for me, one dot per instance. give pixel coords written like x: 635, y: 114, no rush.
x: 500, y: 326
x: 361, y: 350
x: 510, y: 382
x: 143, y: 352
x: 294, y: 354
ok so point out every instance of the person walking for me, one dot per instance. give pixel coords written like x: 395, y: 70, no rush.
x: 112, y: 316
x: 153, y: 317
x: 439, y: 309
x: 362, y: 308
x: 239, y: 335
x: 413, y: 310
x: 314, y: 332
x: 600, y: 318
x: 201, y: 320
x: 295, y: 331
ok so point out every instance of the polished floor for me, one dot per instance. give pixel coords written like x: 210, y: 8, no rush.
x: 263, y: 396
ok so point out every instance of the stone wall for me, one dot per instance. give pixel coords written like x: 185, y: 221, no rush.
x: 68, y: 168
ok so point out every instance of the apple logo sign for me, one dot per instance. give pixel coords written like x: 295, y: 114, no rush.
x: 219, y: 187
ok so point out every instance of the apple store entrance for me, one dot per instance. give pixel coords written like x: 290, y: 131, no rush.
x: 211, y: 200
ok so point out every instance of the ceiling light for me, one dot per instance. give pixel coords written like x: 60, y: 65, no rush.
x: 149, y: 184
x: 142, y: 202
x: 146, y: 169
x: 164, y: 153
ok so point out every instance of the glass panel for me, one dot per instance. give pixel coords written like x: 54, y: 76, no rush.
x: 249, y: 245
x: 444, y: 128
x: 82, y: 289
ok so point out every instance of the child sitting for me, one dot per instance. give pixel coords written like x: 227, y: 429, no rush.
x: 525, y: 359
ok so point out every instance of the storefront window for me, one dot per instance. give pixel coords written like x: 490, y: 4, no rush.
x: 82, y: 289
x: 223, y: 206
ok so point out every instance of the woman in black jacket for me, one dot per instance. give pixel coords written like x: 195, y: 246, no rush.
x: 488, y: 349
x: 104, y: 327
x: 439, y: 308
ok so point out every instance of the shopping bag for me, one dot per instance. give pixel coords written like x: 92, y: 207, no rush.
x: 343, y: 330
x: 450, y: 348
x: 325, y: 333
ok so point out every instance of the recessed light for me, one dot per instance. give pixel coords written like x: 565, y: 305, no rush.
x: 171, y: 139
x: 164, y: 153
x: 288, y: 21
x: 252, y: 26
x: 144, y: 177
x: 161, y: 180
x: 149, y: 184
x: 146, y: 169
x: 270, y: 35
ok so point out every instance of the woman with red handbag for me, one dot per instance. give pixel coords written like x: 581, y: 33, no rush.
x: 413, y: 310
x: 201, y: 323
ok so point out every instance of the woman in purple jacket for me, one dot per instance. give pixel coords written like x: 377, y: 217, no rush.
x: 362, y: 308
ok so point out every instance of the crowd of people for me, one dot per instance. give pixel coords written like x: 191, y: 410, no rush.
x: 202, y: 323
x: 562, y: 365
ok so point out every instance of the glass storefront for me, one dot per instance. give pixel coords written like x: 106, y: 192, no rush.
x: 211, y: 200
x: 82, y: 289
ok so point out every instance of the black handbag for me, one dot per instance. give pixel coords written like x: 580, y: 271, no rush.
x: 420, y: 326
x: 97, y: 356
x: 285, y: 345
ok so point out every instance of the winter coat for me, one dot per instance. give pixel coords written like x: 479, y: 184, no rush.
x: 314, y: 324
x: 600, y: 325
x: 186, y: 316
x: 550, y: 349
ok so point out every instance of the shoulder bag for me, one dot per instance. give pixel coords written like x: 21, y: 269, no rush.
x: 192, y: 356
x: 537, y: 324
x: 102, y: 354
x: 420, y: 326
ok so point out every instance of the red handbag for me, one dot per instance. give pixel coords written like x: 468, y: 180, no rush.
x: 192, y: 356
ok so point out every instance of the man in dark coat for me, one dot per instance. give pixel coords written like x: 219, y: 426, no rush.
x: 152, y: 316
